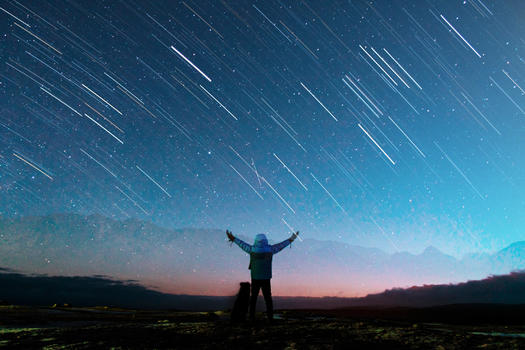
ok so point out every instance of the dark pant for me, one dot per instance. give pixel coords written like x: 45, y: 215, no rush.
x: 267, y: 293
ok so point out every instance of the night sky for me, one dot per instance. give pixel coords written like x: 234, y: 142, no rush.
x: 389, y: 124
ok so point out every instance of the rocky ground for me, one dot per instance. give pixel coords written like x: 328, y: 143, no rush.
x: 112, y: 328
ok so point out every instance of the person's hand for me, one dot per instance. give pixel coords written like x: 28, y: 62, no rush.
x: 294, y: 236
x: 231, y: 237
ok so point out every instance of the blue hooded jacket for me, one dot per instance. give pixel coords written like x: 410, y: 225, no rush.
x: 261, y: 254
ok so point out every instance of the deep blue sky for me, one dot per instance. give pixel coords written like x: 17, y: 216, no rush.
x: 442, y: 163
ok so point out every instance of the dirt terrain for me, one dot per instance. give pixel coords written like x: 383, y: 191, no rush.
x: 104, y: 327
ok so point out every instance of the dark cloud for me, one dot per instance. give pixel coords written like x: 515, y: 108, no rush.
x: 23, y: 289
x: 6, y: 269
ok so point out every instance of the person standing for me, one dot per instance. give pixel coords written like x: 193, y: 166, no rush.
x: 261, y: 254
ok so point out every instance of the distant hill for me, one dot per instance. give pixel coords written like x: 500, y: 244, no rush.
x: 196, y: 261
x: 503, y: 289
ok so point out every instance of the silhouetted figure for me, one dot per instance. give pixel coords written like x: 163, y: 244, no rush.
x: 240, y: 307
x: 261, y: 254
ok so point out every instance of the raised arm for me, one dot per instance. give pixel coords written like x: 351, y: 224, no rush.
x: 243, y: 245
x: 276, y: 248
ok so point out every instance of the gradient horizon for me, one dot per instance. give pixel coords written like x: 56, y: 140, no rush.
x: 203, y: 262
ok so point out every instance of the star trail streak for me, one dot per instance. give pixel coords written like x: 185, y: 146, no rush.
x: 328, y: 193
x: 246, y: 181
x: 461, y: 36
x: 155, y: 182
x: 18, y: 19
x: 103, y: 100
x: 291, y: 173
x: 38, y: 38
x: 32, y: 165
x: 403, y: 69
x: 220, y: 104
x: 408, y: 138
x: 322, y: 105
x: 191, y: 63
x: 460, y: 171
x: 103, y: 128
x: 375, y: 143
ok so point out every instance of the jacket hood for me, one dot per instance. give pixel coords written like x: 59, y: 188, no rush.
x: 260, y: 240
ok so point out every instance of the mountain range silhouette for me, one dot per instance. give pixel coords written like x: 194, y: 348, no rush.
x: 201, y: 261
